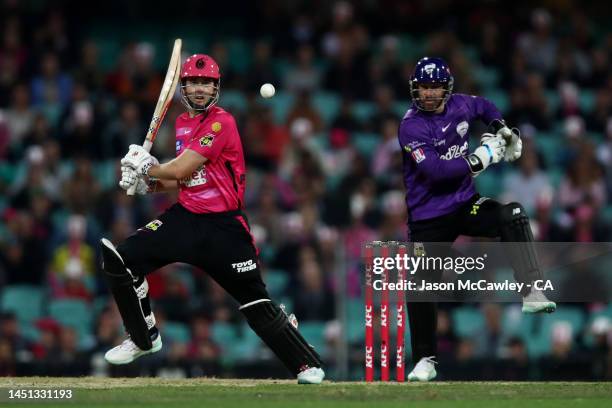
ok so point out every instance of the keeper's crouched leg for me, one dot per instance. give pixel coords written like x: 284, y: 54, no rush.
x: 272, y: 325
x: 131, y: 295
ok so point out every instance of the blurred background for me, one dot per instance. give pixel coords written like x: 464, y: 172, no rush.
x: 78, y: 85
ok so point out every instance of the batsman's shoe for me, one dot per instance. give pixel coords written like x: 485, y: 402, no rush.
x: 311, y: 375
x: 127, y: 351
x: 424, y: 370
x: 537, y: 302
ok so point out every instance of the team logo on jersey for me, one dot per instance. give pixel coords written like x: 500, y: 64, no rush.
x: 418, y: 155
x: 207, y: 141
x: 216, y: 127
x: 154, y: 225
x: 462, y: 128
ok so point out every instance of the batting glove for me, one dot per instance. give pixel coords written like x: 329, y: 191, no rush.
x: 139, y: 159
x: 129, y: 177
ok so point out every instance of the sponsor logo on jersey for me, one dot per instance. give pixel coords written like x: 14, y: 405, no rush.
x: 455, y: 151
x: 462, y: 128
x: 183, y: 131
x: 154, y: 225
x: 439, y: 142
x: 179, y: 145
x: 216, y: 127
x: 207, y: 141
x: 245, y: 266
x: 418, y: 155
x: 407, y: 148
x: 197, y: 178
x: 414, y: 144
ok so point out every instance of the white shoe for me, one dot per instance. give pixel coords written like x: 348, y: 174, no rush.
x: 311, y: 375
x: 537, y: 302
x: 424, y: 370
x: 128, y: 351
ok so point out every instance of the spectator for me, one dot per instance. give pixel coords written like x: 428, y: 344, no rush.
x: 51, y: 80
x: 529, y: 183
x: 19, y: 117
x: 304, y: 76
x: 72, y: 266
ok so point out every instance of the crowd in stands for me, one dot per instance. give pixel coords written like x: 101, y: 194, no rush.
x: 324, y: 174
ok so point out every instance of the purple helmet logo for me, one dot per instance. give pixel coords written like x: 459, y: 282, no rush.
x: 429, y: 68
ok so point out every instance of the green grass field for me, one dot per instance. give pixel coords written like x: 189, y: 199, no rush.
x: 204, y: 392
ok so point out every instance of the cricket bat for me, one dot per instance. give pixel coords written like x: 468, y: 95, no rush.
x: 164, y: 100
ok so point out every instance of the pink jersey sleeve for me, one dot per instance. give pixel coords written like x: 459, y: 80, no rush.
x: 210, y: 142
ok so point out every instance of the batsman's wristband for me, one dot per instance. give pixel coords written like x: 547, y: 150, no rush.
x: 152, y: 184
x: 145, y: 168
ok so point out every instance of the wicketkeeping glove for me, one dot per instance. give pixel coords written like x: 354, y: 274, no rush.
x: 514, y: 149
x: 492, y: 149
x: 514, y: 144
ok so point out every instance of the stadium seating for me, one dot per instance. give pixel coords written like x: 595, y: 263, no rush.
x: 73, y: 313
x: 366, y: 143
x: 177, y: 332
x: 327, y: 104
x: 25, y: 301
x: 314, y: 333
x: 276, y: 282
x: 467, y: 321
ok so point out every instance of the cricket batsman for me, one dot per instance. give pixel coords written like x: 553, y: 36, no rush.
x: 440, y: 195
x: 205, y: 228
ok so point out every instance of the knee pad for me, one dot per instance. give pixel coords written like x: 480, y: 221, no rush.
x: 272, y: 325
x: 131, y: 295
x: 515, y: 224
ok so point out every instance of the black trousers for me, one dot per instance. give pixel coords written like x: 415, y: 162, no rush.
x: 219, y: 243
x: 479, y: 217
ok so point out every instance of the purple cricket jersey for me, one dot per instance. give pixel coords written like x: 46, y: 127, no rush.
x: 436, y: 176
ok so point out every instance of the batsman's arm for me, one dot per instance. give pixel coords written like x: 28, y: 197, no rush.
x: 162, y: 186
x: 178, y: 168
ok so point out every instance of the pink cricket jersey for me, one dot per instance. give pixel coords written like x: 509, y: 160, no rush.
x: 218, y: 185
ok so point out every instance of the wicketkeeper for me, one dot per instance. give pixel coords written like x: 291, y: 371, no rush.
x: 440, y: 195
